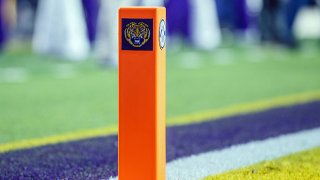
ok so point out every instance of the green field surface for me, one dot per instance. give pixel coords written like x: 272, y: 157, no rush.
x: 42, y: 96
x: 302, y: 165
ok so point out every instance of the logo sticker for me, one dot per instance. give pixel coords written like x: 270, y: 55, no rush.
x: 137, y: 34
x: 162, y: 34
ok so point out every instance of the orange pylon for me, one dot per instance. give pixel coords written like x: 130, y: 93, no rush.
x: 142, y: 76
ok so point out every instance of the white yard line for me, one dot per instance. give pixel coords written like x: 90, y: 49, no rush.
x: 13, y: 75
x: 191, y: 60
x: 65, y: 71
x: 223, y: 57
x: 214, y: 162
x: 237, y: 156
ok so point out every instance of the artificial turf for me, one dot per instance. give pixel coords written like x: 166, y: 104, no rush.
x: 96, y: 158
x: 57, y: 96
x: 302, y: 165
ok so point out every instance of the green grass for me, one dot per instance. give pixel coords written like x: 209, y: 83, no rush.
x: 302, y: 165
x: 59, y: 96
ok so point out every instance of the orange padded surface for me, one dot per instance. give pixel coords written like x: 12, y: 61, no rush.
x: 142, y: 103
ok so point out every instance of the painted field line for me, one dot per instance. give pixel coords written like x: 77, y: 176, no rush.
x: 180, y: 120
x: 77, y: 135
x: 245, y: 108
x: 301, y: 165
x: 238, y: 156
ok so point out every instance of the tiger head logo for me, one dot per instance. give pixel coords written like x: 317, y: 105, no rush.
x: 137, y: 34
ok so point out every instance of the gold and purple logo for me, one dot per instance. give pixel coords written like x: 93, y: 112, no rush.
x: 137, y: 34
